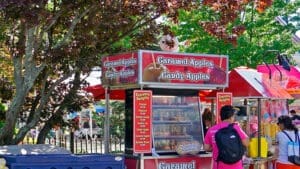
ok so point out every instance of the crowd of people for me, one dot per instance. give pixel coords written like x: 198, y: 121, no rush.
x: 288, y: 125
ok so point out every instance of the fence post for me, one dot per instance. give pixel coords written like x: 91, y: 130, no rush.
x: 72, y: 141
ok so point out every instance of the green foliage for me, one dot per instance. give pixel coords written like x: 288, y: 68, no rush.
x: 262, y: 33
x: 117, y: 118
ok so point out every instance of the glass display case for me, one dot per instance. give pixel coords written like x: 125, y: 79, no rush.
x: 176, y: 120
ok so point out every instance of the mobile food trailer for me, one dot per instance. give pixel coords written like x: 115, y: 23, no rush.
x: 162, y: 106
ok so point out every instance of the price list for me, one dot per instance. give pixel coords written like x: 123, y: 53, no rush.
x: 223, y: 98
x: 142, y: 113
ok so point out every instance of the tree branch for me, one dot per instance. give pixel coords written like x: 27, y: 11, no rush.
x: 72, y: 27
x: 134, y: 27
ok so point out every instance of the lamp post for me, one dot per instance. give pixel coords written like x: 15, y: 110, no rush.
x: 282, y: 61
x: 107, y: 122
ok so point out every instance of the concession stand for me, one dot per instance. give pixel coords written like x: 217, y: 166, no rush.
x: 162, y: 106
x: 260, y: 100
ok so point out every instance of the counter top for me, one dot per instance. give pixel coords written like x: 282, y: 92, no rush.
x: 204, y: 155
x: 249, y: 160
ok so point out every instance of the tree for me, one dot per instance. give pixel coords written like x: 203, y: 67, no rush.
x: 261, y: 32
x: 50, y: 40
x: 117, y: 118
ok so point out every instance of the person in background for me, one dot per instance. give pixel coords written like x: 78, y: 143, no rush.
x: 227, y: 117
x: 285, y: 124
x: 295, y: 118
x: 293, y: 113
x: 207, y: 120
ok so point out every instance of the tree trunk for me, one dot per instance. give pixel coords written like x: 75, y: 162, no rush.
x: 43, y: 133
x: 8, y: 130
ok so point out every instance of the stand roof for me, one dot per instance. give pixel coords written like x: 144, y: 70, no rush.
x: 290, y: 80
x: 98, y: 92
x: 248, y: 83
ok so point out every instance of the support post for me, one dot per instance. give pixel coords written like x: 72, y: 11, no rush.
x: 107, y: 123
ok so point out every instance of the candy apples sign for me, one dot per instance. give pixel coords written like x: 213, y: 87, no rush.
x: 120, y: 69
x: 166, y: 70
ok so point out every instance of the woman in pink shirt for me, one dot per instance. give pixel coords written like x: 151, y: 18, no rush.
x: 227, y: 117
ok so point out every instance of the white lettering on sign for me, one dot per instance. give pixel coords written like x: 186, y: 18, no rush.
x: 172, y: 75
x: 198, y: 63
x: 186, y: 165
x: 197, y: 76
x: 120, y: 62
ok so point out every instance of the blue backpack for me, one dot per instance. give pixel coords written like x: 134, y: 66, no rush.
x: 229, y: 143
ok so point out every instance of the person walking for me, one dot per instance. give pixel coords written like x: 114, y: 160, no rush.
x: 285, y: 124
x: 227, y: 117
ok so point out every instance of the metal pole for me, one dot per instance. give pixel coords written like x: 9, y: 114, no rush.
x: 259, y: 127
x: 106, y: 123
x: 142, y: 161
x: 72, y: 140
x: 91, y: 123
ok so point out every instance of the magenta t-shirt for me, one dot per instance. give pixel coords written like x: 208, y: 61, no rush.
x: 210, y: 139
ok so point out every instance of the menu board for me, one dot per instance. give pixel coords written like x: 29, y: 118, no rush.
x: 223, y: 98
x: 142, y: 113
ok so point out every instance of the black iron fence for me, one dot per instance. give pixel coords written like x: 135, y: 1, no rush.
x: 78, y: 145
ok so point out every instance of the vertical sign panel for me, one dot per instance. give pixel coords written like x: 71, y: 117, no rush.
x: 222, y: 100
x: 142, y: 121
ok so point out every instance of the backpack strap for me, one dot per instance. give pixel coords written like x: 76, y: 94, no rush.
x: 289, y: 136
x: 297, y: 137
x: 231, y: 125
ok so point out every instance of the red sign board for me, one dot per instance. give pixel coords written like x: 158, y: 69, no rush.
x: 181, y: 69
x: 165, y: 70
x: 178, y: 162
x: 120, y: 69
x: 142, y: 122
x: 223, y: 98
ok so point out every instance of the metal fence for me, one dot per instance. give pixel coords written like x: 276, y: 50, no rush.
x: 79, y: 145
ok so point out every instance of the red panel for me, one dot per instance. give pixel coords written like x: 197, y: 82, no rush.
x: 131, y: 163
x: 98, y: 92
x: 239, y: 87
x: 184, y: 161
x: 245, y: 82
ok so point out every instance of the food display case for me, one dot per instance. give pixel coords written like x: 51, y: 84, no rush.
x: 163, y: 127
x: 176, y: 120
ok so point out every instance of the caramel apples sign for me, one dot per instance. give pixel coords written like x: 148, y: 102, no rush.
x: 160, y: 68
